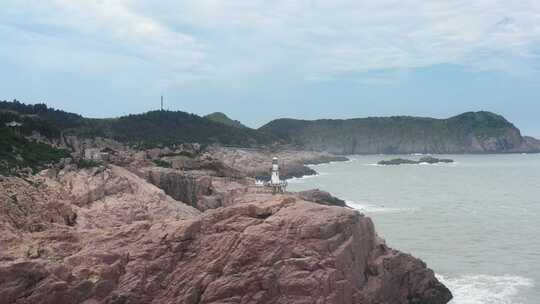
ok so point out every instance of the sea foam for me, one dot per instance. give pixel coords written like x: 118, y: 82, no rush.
x: 300, y: 180
x: 372, y: 208
x: 486, y: 289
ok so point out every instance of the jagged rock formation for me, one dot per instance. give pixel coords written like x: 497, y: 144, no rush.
x: 200, y: 231
x: 257, y: 163
x: 44, y: 217
x: 112, y: 196
x: 77, y: 144
x: 262, y: 249
x: 472, y: 132
x: 322, y: 197
x: 188, y: 188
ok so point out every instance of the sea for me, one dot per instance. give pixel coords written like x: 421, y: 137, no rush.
x: 475, y: 222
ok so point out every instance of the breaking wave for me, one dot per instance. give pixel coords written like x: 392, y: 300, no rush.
x: 372, y: 208
x: 486, y: 289
x: 300, y: 180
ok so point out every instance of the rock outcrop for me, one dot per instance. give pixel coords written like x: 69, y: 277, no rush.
x: 265, y: 249
x: 321, y: 197
x: 186, y: 187
x: 256, y: 162
x: 532, y: 142
x: 136, y: 234
x: 111, y: 196
x: 423, y: 160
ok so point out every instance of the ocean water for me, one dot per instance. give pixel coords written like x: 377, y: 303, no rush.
x: 475, y: 222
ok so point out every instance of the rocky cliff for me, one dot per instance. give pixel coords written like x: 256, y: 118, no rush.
x: 473, y: 132
x: 257, y: 162
x: 106, y: 235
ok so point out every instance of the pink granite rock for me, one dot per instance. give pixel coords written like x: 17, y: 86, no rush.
x: 106, y: 235
x: 268, y: 249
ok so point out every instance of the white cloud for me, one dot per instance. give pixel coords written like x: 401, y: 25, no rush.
x: 333, y: 37
x: 95, y: 35
x: 317, y: 39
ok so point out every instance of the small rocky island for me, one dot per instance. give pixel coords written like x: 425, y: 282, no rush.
x: 423, y: 160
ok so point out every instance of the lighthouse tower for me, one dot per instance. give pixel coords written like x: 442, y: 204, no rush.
x: 274, y: 179
x: 277, y: 185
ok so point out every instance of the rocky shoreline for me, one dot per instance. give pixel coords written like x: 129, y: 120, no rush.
x: 256, y: 163
x: 190, y: 226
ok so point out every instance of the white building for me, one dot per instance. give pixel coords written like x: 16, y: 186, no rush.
x: 13, y: 124
x: 277, y: 185
x: 95, y: 154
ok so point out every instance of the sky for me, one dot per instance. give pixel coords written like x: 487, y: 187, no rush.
x: 260, y: 60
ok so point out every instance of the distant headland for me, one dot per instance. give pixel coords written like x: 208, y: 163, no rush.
x: 471, y: 132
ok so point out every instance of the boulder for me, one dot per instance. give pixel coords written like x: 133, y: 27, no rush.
x: 321, y: 197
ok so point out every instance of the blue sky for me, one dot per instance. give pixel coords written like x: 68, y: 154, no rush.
x: 259, y: 60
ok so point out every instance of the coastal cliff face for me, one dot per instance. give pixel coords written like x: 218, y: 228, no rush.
x: 473, y: 132
x: 188, y: 188
x: 107, y: 235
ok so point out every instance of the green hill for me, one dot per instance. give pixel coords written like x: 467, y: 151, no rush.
x: 166, y: 127
x: 224, y: 119
x: 472, y: 132
x: 149, y: 129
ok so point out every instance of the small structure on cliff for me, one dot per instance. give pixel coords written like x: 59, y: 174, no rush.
x: 97, y: 154
x: 15, y: 126
x: 277, y: 185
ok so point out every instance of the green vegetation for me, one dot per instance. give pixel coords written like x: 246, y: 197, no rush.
x: 184, y: 154
x: 469, y: 132
x: 59, y: 118
x: 484, y: 124
x: 48, y: 122
x: 17, y: 153
x: 162, y: 163
x: 88, y: 163
x: 166, y: 127
x: 224, y: 119
x: 151, y: 129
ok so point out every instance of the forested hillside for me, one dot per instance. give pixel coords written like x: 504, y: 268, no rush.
x: 150, y: 129
x: 472, y: 132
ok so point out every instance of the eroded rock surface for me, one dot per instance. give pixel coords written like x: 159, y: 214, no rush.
x: 257, y: 163
x: 322, y: 197
x: 267, y: 249
x: 107, y: 235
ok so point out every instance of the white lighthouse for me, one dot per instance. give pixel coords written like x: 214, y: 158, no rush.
x: 277, y: 185
x: 275, y: 172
